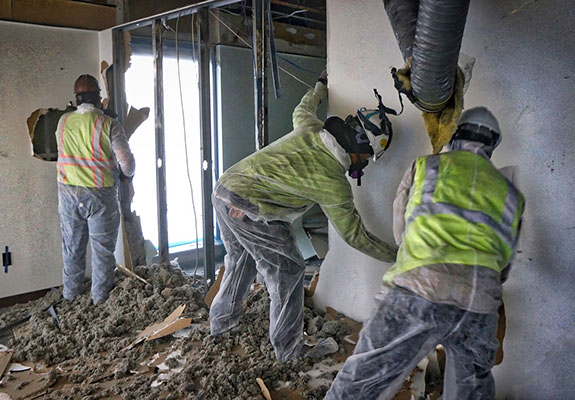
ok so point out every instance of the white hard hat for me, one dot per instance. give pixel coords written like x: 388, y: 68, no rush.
x: 480, y: 116
x: 483, y: 123
x: 377, y: 131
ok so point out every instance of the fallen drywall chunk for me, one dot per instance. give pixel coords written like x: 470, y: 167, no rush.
x: 168, y: 326
x: 5, y: 357
x: 215, y: 287
x: 26, y: 384
x: 310, y: 290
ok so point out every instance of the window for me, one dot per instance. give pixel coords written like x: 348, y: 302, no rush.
x: 140, y: 93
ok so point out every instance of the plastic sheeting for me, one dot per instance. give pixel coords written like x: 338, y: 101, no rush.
x: 95, y: 214
x: 270, y: 249
x: 403, y: 330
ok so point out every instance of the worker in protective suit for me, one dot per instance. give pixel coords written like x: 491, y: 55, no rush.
x: 257, y: 199
x: 93, y: 155
x: 456, y: 220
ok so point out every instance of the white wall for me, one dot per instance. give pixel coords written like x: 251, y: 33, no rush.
x: 38, y: 66
x: 525, y: 72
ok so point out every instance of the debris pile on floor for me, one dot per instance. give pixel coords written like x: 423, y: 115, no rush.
x: 80, y: 351
x: 90, y: 354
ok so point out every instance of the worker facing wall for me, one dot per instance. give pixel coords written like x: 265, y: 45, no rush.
x: 526, y: 78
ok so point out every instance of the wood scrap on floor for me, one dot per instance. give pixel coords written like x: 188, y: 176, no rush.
x: 266, y: 393
x: 131, y: 274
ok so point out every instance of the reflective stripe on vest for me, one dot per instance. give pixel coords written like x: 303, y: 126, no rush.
x: 84, y: 150
x: 428, y: 207
x: 461, y: 210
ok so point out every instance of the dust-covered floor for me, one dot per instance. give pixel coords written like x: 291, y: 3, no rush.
x: 88, y: 356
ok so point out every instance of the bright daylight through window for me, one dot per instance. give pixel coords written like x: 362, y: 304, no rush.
x: 140, y: 93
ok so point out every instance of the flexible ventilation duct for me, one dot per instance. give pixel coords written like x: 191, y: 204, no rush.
x: 431, y: 32
x: 403, y: 17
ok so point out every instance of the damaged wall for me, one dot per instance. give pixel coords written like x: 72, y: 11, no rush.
x: 527, y: 77
x: 38, y: 68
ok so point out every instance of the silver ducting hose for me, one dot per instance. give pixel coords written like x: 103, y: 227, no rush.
x: 403, y: 17
x: 435, y: 48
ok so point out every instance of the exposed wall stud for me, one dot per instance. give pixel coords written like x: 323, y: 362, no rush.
x: 158, y: 54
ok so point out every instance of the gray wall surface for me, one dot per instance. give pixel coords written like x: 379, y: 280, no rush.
x: 38, y: 66
x: 236, y: 134
x: 525, y: 73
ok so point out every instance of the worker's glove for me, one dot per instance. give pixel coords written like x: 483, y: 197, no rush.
x: 323, y: 77
x: 125, y: 179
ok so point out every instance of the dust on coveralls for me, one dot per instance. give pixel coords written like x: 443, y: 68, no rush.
x: 257, y: 199
x: 90, y: 147
x: 461, y: 226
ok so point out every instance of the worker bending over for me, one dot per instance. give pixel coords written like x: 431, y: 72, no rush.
x: 257, y: 199
x: 456, y: 219
x: 93, y: 154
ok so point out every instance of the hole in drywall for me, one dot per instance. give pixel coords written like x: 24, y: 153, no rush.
x: 42, y: 126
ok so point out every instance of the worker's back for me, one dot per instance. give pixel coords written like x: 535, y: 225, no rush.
x: 289, y: 175
x: 461, y: 210
x: 85, y: 156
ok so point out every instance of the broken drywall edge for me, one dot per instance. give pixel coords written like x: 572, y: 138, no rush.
x: 48, y: 128
x: 171, y: 328
x: 135, y: 118
x: 310, y: 290
x: 215, y: 287
x: 352, y: 339
x: 168, y: 326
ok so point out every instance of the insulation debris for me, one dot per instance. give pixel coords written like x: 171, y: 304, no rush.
x: 90, y: 357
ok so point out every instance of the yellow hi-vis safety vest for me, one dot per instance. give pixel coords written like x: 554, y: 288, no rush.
x: 461, y: 210
x: 85, y: 155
